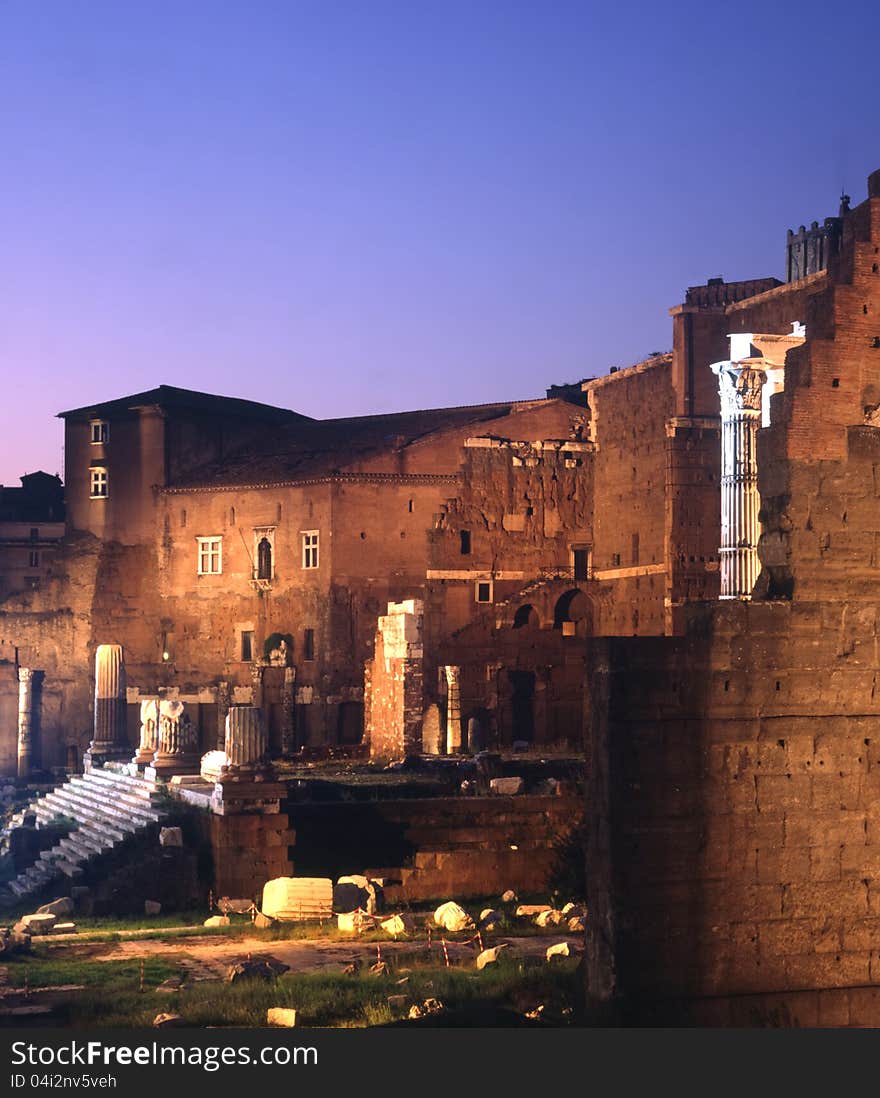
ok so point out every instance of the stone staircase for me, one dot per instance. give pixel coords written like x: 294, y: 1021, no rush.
x: 104, y: 808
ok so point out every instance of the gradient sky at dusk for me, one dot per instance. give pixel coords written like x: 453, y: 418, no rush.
x: 355, y: 207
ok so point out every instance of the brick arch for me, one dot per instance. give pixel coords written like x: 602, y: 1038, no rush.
x: 526, y: 617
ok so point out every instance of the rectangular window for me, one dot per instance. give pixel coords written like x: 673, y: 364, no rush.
x: 247, y: 645
x: 34, y: 560
x: 465, y: 536
x: 581, y: 564
x: 210, y: 556
x: 635, y: 548
x: 308, y: 644
x: 310, y: 549
x: 100, y: 431
x: 483, y: 591
x: 615, y: 560
x: 98, y: 482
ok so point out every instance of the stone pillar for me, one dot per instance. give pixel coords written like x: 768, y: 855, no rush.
x: 148, y: 744
x: 26, y: 720
x: 393, y: 683
x: 110, y: 738
x: 222, y: 710
x: 740, y: 385
x: 453, y: 709
x: 288, y: 712
x: 247, y: 744
x: 257, y: 685
x: 178, y: 750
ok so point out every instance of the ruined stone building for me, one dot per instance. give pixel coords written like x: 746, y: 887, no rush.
x: 735, y: 789
x: 677, y: 561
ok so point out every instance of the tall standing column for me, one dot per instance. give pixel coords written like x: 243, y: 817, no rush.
x: 26, y: 720
x: 740, y: 385
x: 110, y: 738
x: 453, y: 709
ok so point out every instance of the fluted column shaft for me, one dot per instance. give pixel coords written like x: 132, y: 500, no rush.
x: 247, y: 743
x: 740, y: 387
x: 110, y: 737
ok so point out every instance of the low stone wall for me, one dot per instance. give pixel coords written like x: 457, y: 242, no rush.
x: 445, y: 846
x: 249, y: 850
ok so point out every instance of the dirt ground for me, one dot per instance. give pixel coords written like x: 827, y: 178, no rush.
x: 209, y: 957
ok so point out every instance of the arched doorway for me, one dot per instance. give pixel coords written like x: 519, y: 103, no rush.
x: 526, y: 617
x: 573, y: 614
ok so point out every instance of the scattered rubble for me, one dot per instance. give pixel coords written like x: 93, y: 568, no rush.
x: 263, y: 922
x: 452, y: 917
x: 217, y: 920
x: 548, y: 918
x: 398, y: 925
x: 490, y: 956
x: 351, y: 922
x: 170, y: 836
x: 506, y: 787
x: 397, y: 1002
x: 291, y: 899
x: 35, y: 924
x: 281, y: 1016
x: 258, y: 968
x: 508, y: 897
x: 168, y: 1021
x: 561, y: 949
x: 63, y: 906
x: 171, y: 985
x: 429, y: 1006
x: 152, y: 907
x: 578, y: 924
x: 528, y: 910
x: 490, y: 919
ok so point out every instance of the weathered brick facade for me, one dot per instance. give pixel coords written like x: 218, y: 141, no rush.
x: 734, y: 800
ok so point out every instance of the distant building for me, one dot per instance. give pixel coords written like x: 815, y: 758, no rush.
x: 31, y: 529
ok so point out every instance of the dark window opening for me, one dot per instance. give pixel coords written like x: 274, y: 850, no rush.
x: 411, y: 506
x: 465, y: 537
x: 308, y: 644
x: 635, y: 548
x: 264, y: 559
x: 581, y: 564
x: 525, y: 617
x: 247, y: 645
x: 615, y: 560
x: 484, y: 592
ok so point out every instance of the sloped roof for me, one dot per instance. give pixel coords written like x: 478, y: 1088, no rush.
x: 316, y: 448
x: 169, y: 396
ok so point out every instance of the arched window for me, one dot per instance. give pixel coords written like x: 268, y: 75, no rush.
x: 264, y: 559
x: 526, y: 617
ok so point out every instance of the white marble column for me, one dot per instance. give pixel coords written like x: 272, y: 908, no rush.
x: 246, y: 744
x: 178, y: 748
x: 453, y: 709
x: 25, y: 721
x: 740, y: 384
x: 110, y: 738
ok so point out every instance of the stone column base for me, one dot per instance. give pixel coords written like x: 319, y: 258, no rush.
x: 163, y: 768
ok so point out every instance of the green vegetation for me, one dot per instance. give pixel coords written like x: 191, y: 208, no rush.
x: 112, y: 995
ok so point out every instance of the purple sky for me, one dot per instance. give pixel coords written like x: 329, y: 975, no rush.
x: 348, y: 208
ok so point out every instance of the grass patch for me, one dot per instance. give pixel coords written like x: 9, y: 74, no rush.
x: 326, y: 999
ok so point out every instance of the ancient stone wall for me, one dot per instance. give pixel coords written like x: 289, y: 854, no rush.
x: 734, y: 788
